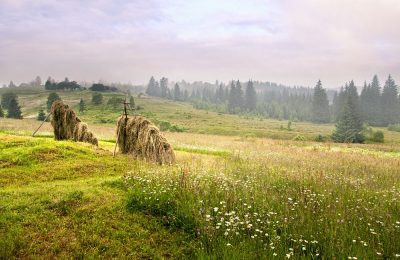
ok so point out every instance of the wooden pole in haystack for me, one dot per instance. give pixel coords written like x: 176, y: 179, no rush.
x: 47, y: 117
x: 126, y: 119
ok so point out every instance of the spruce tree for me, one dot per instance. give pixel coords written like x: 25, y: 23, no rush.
x: 82, y: 106
x: 250, y: 97
x: 239, y: 96
x: 51, y: 98
x: 177, y: 92
x: 365, y: 101
x: 320, y: 105
x: 349, y: 128
x: 164, y: 87
x: 338, y: 103
x: 375, y: 108
x: 151, y: 87
x: 1, y: 112
x: 390, y: 104
x: 14, y: 110
x: 370, y: 99
x: 6, y: 98
x: 41, y: 115
x: 232, y: 98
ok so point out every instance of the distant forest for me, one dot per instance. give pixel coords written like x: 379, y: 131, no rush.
x: 376, y: 105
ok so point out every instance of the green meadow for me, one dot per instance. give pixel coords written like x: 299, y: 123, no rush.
x: 243, y: 187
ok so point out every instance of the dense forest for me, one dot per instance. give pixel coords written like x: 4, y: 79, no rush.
x: 375, y: 105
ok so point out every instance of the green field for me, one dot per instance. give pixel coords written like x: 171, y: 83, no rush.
x: 241, y: 189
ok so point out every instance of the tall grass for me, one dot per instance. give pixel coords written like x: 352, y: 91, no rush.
x: 318, y: 204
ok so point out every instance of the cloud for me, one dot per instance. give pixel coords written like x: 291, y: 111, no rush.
x: 293, y: 42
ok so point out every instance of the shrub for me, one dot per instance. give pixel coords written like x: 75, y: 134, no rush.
x: 378, y: 137
x: 320, y: 138
x: 374, y: 136
x: 97, y: 98
x: 115, y: 101
x: 167, y: 126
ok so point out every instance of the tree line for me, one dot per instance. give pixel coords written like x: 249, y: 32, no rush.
x: 377, y: 106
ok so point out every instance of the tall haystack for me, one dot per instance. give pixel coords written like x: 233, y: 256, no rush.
x: 68, y: 126
x: 139, y: 137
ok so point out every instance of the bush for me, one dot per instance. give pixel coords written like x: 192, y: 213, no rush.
x: 378, y: 137
x: 167, y: 126
x: 115, y: 101
x: 373, y: 136
x: 97, y: 98
x: 320, y: 138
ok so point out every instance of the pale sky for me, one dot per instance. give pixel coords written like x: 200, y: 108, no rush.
x: 285, y: 41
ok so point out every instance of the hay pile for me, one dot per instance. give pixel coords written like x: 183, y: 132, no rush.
x: 137, y: 136
x: 68, y: 126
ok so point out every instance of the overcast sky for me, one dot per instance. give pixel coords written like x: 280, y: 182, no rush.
x: 285, y: 41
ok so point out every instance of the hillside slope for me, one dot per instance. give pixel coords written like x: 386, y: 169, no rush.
x: 226, y: 198
x: 63, y: 200
x: 172, y: 116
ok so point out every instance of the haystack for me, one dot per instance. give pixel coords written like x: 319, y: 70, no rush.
x: 139, y: 137
x: 68, y: 126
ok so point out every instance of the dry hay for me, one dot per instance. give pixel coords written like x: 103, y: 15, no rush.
x: 68, y: 126
x: 139, y: 137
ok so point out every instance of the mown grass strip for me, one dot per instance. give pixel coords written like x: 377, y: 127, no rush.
x: 202, y: 150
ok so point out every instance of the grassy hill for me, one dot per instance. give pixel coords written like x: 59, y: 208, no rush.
x: 183, y: 116
x: 231, y: 195
x: 227, y: 197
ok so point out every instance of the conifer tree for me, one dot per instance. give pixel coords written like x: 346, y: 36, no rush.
x: 41, y: 115
x: 390, y: 104
x: 14, y: 110
x: 1, y: 112
x: 364, y: 102
x: 239, y: 96
x: 232, y: 98
x: 82, y: 106
x: 177, y: 92
x: 164, y: 87
x: 51, y: 98
x: 338, y: 103
x: 349, y: 128
x: 6, y: 98
x: 151, y: 87
x: 320, y: 105
x: 370, y: 99
x: 250, y: 97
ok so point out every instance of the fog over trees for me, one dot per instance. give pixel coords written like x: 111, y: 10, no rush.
x: 375, y: 106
